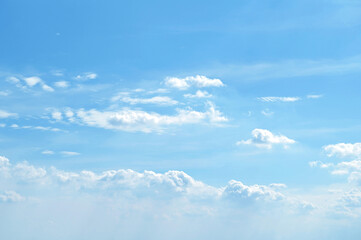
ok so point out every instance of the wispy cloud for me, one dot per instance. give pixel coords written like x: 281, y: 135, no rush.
x: 279, y: 99
x: 288, y: 69
x: 42, y: 128
x: 159, y: 100
x: 86, y: 76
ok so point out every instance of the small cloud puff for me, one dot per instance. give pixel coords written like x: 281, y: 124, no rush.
x: 263, y: 138
x: 86, y: 76
x: 198, y: 94
x: 197, y: 81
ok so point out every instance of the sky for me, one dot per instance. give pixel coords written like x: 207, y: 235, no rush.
x: 180, y: 119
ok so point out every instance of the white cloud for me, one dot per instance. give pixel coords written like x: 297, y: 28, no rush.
x: 86, y: 76
x: 266, y: 139
x: 57, y: 115
x: 62, y: 84
x: 279, y: 99
x: 32, y: 81
x: 67, y: 153
x: 5, y: 114
x: 198, y: 81
x: 171, y: 184
x: 314, y: 96
x: 42, y: 128
x: 343, y: 150
x: 47, y: 88
x: 47, y: 152
x: 138, y: 120
x: 198, y: 94
x: 160, y: 100
x: 10, y: 196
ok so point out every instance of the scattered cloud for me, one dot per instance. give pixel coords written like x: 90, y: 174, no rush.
x: 67, y: 153
x: 198, y: 94
x: 30, y: 82
x: 47, y: 152
x: 159, y: 100
x: 61, y: 84
x: 197, y: 81
x: 343, y: 150
x: 279, y: 99
x: 6, y: 114
x: 86, y: 76
x: 10, y: 196
x: 138, y: 120
x: 42, y: 128
x: 265, y: 139
x: 314, y: 96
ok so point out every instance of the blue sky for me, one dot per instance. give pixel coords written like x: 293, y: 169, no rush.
x: 171, y: 117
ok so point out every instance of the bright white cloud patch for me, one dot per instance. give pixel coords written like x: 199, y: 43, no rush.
x: 265, y: 139
x: 32, y: 81
x: 343, y: 150
x: 197, y: 81
x: 198, y: 94
x: 138, y: 120
x: 279, y: 99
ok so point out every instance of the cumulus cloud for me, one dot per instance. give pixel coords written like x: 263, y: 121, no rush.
x: 171, y: 184
x: 197, y: 81
x: 6, y: 114
x: 198, y: 94
x: 279, y: 99
x: 159, y: 100
x: 265, y: 139
x: 138, y: 120
x: 343, y: 150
